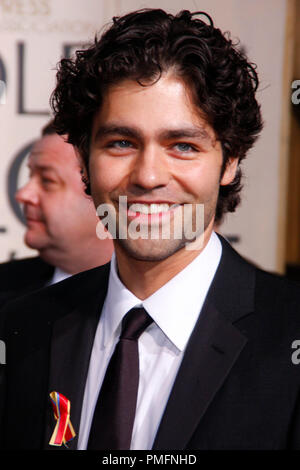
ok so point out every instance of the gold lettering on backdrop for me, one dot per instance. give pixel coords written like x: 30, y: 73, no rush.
x: 35, y: 16
x: 25, y: 25
x: 25, y: 7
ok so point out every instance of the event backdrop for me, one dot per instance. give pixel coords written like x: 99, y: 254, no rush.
x: 35, y: 34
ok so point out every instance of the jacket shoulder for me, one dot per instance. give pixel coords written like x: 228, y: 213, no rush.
x: 21, y: 273
x: 42, y: 307
x: 277, y: 290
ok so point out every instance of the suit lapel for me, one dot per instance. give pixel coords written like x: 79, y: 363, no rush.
x: 71, y: 345
x: 213, y: 348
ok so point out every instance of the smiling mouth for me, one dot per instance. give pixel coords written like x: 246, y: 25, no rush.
x: 150, y: 209
x: 151, y: 212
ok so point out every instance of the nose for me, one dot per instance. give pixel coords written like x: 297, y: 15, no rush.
x: 28, y: 194
x: 150, y: 169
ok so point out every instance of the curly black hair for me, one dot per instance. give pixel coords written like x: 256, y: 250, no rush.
x: 141, y: 46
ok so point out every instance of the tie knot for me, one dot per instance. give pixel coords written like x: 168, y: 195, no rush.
x: 134, y: 323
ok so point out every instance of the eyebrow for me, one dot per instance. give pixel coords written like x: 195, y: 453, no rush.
x: 107, y: 130
x: 46, y: 168
x: 193, y: 132
x: 167, y: 134
x: 41, y: 168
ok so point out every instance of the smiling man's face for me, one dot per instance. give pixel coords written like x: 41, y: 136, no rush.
x: 150, y: 144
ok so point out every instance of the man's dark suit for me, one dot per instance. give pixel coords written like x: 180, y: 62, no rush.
x: 237, y: 387
x: 19, y: 277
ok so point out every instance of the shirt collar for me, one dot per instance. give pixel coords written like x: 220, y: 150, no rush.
x: 59, y: 275
x: 174, y: 307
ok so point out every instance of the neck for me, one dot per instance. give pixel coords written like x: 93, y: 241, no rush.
x: 87, y: 256
x: 143, y: 278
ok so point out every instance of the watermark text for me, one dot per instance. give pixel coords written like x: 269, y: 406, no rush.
x: 296, y: 93
x: 2, y: 352
x: 159, y: 221
x: 2, y: 92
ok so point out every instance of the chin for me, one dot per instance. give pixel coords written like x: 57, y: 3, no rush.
x: 150, y: 250
x: 35, y: 241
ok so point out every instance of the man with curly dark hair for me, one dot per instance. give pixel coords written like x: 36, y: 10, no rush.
x: 142, y: 47
x: 178, y: 343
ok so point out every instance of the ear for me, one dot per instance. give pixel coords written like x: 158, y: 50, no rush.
x: 230, y: 171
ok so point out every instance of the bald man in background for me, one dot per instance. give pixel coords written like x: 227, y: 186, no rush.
x: 61, y: 221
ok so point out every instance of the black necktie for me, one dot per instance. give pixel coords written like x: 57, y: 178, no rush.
x: 115, y: 409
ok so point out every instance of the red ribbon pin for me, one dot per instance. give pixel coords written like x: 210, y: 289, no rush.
x: 64, y: 430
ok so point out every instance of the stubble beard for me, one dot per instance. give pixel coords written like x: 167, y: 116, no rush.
x: 160, y: 249
x: 151, y: 250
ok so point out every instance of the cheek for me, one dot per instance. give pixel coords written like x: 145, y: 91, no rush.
x: 202, y: 181
x: 106, y: 174
x: 54, y: 210
x: 57, y: 206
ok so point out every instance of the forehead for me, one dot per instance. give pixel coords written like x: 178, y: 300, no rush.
x: 167, y: 103
x: 52, y: 152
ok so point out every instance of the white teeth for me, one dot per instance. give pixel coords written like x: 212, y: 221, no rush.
x: 156, y: 208
x: 142, y: 208
x: 149, y: 208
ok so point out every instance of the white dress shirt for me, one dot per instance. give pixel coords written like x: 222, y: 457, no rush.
x: 58, y: 275
x: 175, y: 309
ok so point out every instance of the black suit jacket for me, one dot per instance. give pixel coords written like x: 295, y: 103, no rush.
x: 237, y: 387
x: 19, y: 277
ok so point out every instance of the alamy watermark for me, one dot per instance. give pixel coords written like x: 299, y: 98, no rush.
x: 296, y: 93
x: 2, y: 92
x: 296, y: 354
x: 2, y: 352
x: 159, y: 221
